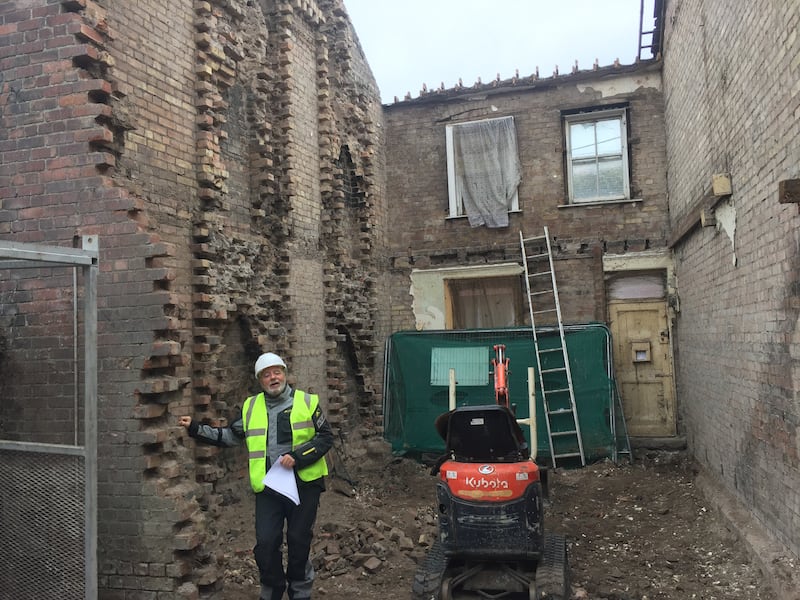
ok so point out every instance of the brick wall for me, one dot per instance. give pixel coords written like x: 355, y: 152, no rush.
x: 145, y: 366
x: 52, y: 132
x: 64, y: 154
x: 730, y: 76
x: 203, y: 146
x: 417, y: 181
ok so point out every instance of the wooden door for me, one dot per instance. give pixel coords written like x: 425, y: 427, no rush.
x: 643, y: 366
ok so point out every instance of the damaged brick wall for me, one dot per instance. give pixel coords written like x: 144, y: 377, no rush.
x: 417, y: 178
x: 735, y: 111
x: 63, y: 154
x: 229, y: 156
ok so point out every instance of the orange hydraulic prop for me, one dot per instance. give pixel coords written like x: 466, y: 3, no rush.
x: 500, y: 364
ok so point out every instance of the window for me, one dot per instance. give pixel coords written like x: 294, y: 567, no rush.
x: 483, y: 171
x: 484, y: 303
x: 630, y: 285
x: 597, y: 156
x: 433, y: 292
x: 469, y: 364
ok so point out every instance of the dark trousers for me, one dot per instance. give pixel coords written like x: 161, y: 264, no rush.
x: 272, y: 511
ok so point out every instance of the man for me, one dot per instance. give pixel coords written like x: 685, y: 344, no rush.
x: 286, y: 428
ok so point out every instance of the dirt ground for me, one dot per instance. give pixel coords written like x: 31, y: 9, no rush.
x: 640, y: 531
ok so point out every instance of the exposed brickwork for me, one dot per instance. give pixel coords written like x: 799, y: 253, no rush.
x: 82, y: 110
x: 735, y: 110
x: 57, y: 128
x: 354, y: 222
x: 204, y: 146
x: 417, y: 176
x: 229, y: 155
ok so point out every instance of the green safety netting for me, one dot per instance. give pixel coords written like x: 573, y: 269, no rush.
x: 417, y: 383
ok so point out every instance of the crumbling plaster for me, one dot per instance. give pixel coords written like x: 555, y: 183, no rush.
x: 617, y: 86
x: 725, y: 215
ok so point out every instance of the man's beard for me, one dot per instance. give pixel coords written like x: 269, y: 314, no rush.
x: 277, y: 393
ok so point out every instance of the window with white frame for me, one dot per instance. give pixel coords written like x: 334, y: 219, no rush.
x: 483, y: 171
x: 597, y: 156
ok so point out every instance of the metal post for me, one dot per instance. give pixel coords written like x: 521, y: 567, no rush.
x: 90, y: 410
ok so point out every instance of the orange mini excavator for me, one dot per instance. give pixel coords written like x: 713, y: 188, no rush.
x: 491, y: 541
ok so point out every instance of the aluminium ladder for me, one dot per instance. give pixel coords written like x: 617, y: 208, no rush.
x: 555, y: 377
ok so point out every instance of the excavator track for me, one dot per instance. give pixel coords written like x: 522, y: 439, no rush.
x: 427, y: 584
x: 552, y: 574
x: 432, y: 582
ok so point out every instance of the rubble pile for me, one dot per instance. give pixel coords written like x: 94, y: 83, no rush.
x: 365, y: 546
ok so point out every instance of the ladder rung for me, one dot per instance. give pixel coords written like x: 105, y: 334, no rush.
x: 538, y: 254
x: 557, y: 391
x: 567, y: 455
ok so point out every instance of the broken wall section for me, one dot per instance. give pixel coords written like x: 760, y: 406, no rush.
x: 288, y: 230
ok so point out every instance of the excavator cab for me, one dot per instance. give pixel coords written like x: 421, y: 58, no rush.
x: 482, y: 434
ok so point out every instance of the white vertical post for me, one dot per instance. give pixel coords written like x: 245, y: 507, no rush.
x: 532, y: 411
x: 452, y: 390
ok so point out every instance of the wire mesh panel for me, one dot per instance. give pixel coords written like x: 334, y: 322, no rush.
x: 48, y: 421
x: 42, y: 514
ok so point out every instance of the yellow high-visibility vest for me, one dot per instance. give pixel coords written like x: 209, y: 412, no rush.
x: 255, y: 421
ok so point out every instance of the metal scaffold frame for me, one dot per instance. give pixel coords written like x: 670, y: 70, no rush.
x: 14, y: 255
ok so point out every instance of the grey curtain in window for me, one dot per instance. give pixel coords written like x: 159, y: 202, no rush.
x: 487, y: 169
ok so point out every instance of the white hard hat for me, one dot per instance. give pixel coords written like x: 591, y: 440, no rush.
x: 268, y: 360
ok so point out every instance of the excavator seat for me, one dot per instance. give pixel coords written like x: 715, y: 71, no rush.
x: 487, y: 433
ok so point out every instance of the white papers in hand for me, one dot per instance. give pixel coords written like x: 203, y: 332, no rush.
x: 281, y: 479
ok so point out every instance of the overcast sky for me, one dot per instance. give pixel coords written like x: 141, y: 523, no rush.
x: 411, y: 42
